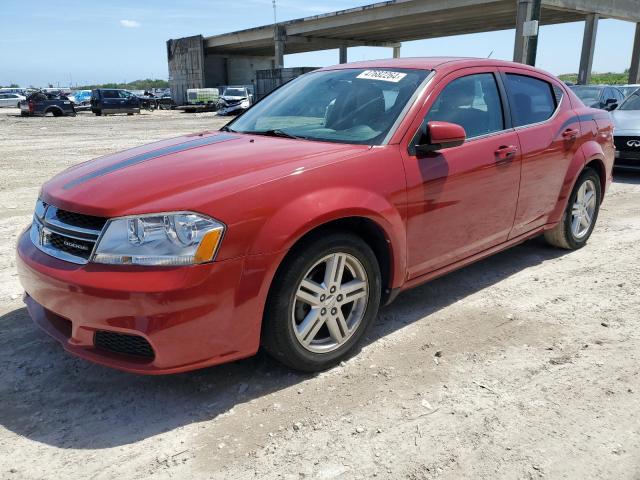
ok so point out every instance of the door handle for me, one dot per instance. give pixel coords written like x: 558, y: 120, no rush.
x: 506, y: 153
x: 570, y: 134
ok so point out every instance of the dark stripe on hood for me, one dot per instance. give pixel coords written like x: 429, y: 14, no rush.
x: 143, y: 157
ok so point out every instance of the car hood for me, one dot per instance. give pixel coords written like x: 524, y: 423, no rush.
x: 185, y: 173
x: 627, y: 121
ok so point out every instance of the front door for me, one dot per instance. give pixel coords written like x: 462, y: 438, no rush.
x: 462, y: 200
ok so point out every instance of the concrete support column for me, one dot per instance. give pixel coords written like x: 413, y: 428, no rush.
x: 634, y: 70
x: 521, y: 45
x: 343, y: 54
x: 396, y: 52
x: 588, y: 46
x: 279, y: 35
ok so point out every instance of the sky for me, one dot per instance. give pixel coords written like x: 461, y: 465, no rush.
x: 91, y: 41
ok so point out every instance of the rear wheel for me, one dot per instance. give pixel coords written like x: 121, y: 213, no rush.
x: 581, y: 213
x: 326, y: 294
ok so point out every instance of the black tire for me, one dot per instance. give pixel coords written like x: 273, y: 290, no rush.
x: 562, y: 235
x: 97, y: 113
x: 131, y: 113
x: 278, y: 336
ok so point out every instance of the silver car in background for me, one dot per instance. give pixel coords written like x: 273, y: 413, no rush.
x: 627, y: 132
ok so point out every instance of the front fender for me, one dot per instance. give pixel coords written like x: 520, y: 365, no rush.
x: 308, y: 211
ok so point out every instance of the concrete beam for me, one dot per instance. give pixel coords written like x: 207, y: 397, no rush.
x: 387, y: 11
x: 329, y: 43
x: 619, y: 9
x: 634, y: 70
x: 588, y: 46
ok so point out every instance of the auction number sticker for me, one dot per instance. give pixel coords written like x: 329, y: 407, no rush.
x: 384, y: 75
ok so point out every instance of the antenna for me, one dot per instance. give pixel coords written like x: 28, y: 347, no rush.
x: 489, y: 56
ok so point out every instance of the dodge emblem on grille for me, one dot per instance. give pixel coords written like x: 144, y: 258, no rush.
x: 69, y: 244
x: 633, y: 143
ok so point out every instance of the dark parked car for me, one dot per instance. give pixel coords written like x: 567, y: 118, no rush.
x: 110, y: 100
x: 627, y: 133
x: 599, y: 96
x: 43, y: 103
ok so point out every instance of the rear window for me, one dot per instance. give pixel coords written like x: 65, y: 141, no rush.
x: 532, y: 100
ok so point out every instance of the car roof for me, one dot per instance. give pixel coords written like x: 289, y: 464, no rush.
x: 433, y: 63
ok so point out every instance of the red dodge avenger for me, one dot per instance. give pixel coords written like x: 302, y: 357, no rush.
x: 290, y: 226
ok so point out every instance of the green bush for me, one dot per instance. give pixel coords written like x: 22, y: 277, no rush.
x: 597, y: 78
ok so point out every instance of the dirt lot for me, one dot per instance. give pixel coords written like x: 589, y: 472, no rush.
x: 525, y: 365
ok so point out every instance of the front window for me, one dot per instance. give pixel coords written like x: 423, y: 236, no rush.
x: 632, y: 102
x: 356, y: 106
x: 472, y: 102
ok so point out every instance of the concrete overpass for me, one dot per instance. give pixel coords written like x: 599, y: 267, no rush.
x: 234, y: 57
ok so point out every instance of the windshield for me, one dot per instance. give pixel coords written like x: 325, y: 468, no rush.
x: 589, y: 95
x: 628, y: 89
x: 235, y: 92
x: 632, y: 102
x: 346, y: 106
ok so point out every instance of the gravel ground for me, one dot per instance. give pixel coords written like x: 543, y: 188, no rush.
x: 525, y: 365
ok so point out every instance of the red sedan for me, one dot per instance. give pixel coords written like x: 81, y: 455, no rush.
x: 294, y: 223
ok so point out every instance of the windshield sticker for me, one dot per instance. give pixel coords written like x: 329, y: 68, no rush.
x: 384, y: 75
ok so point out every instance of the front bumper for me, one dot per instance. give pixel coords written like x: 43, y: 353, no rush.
x: 192, y: 317
x: 627, y: 152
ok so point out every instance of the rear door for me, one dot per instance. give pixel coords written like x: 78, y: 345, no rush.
x: 548, y: 131
x: 462, y: 200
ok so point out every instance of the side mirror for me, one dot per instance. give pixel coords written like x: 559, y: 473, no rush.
x: 611, y: 104
x: 437, y: 136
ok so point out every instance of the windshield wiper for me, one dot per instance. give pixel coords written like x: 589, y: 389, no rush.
x: 227, y: 129
x: 276, y: 132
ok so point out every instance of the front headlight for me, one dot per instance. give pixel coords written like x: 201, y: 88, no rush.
x: 167, y: 239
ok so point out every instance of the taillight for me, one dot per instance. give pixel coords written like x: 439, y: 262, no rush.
x: 32, y: 106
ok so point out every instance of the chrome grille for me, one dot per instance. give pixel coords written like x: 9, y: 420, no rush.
x: 65, y: 235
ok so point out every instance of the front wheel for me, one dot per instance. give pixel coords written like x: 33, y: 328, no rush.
x: 325, y: 295
x: 581, y: 213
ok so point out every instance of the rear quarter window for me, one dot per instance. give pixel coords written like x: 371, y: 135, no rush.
x: 532, y: 100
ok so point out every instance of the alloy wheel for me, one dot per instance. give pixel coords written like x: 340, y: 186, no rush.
x: 330, y: 302
x: 583, y: 209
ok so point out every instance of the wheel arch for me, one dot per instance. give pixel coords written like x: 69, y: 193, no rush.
x: 57, y: 111
x: 363, y: 212
x: 597, y: 164
x: 366, y: 229
x: 589, y: 155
